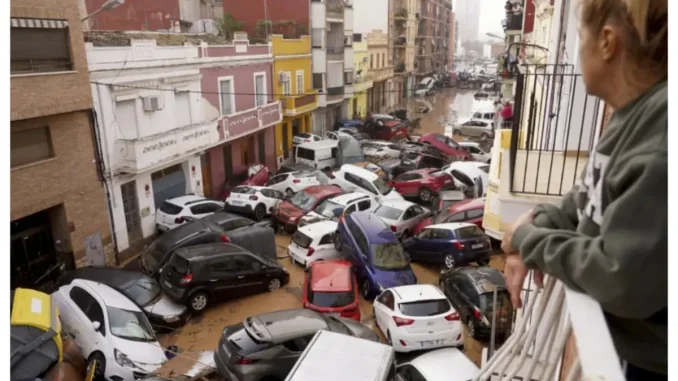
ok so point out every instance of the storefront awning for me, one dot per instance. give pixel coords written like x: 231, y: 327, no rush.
x: 38, y: 23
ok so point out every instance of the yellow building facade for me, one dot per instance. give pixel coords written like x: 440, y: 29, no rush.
x: 362, y: 80
x: 292, y: 84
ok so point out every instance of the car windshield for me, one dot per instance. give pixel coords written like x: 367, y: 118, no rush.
x: 130, y: 325
x: 425, y: 307
x: 327, y: 207
x: 152, y: 255
x: 303, y: 200
x: 452, y: 143
x: 331, y: 299
x: 382, y: 186
x: 389, y: 256
x: 388, y: 212
x: 144, y: 291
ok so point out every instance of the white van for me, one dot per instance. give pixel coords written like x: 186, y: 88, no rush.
x: 322, y: 154
x: 425, y: 87
x: 332, y: 356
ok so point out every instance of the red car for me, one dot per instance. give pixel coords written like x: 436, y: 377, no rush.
x: 255, y: 174
x: 331, y: 287
x: 393, y: 130
x: 423, y: 183
x: 446, y: 145
x: 288, y: 212
x: 470, y: 211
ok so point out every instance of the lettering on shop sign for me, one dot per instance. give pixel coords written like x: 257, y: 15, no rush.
x: 160, y: 145
x: 195, y: 135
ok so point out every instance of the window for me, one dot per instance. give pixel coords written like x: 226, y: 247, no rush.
x: 224, y: 264
x: 300, y: 81
x: 326, y: 240
x: 30, y: 146
x: 238, y: 223
x: 371, y: 61
x: 182, y: 109
x: 226, y: 96
x: 475, y: 213
x: 348, y: 78
x: 317, y: 38
x: 457, y: 217
x: 39, y: 46
x: 205, y: 208
x: 386, y: 299
x: 305, y: 153
x: 260, y: 89
x: 317, y: 81
x: 88, y: 305
x: 439, y: 234
x: 286, y: 83
x: 409, y: 373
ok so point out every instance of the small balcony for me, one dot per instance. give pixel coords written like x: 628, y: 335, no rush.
x: 400, y: 15
x: 513, y: 22
x: 400, y: 68
x: 381, y: 74
x: 400, y: 42
x: 335, y: 53
x: 294, y: 105
x: 334, y: 10
x: 362, y: 82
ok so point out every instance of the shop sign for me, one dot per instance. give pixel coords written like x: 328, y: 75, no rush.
x: 172, y: 144
x: 240, y: 124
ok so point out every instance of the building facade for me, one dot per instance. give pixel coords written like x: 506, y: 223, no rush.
x: 261, y: 19
x: 362, y: 78
x: 381, y: 98
x: 332, y: 43
x: 175, y: 116
x: 58, y: 203
x: 402, y: 30
x: 452, y: 40
x: 432, y: 40
x: 292, y: 76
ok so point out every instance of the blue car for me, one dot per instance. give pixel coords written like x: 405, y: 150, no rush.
x: 375, y: 252
x: 450, y: 244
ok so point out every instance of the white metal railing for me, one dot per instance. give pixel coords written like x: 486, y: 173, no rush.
x: 535, y: 349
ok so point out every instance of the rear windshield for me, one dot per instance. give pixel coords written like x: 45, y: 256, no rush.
x: 469, y: 232
x: 389, y: 256
x: 387, y: 212
x: 244, y: 190
x: 305, y: 153
x: 301, y: 239
x: 331, y: 299
x: 327, y: 208
x: 425, y: 307
x: 169, y: 208
x: 179, y: 264
x: 303, y: 135
x: 245, y: 343
x: 503, y: 302
x: 303, y: 200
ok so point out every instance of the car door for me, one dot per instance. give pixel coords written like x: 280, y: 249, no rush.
x: 440, y: 241
x: 359, y: 251
x: 418, y: 247
x: 253, y: 275
x: 400, y: 183
x: 455, y: 293
x: 417, y: 215
x: 271, y: 198
x: 223, y: 277
x: 277, y: 182
x: 83, y: 310
x: 384, y: 309
x: 325, y: 249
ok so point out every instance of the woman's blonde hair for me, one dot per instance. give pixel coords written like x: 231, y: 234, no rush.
x: 645, y: 29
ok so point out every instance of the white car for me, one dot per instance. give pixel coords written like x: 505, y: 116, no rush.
x: 303, y: 137
x: 473, y: 172
x: 293, y: 182
x: 444, y: 364
x: 314, y: 242
x: 110, y: 328
x: 478, y: 128
x: 485, y: 167
x: 478, y: 154
x: 355, y: 179
x: 417, y: 317
x: 402, y: 216
x: 258, y: 201
x: 174, y: 212
x: 335, y: 207
x: 380, y: 149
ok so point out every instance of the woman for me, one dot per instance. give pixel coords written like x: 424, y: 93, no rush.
x: 608, y: 238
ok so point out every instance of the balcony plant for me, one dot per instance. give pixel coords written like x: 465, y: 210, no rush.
x: 228, y: 25
x: 335, y: 8
x: 401, y: 13
x: 400, y: 67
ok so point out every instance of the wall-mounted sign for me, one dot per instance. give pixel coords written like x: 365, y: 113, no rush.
x: 245, y: 122
x: 170, y: 145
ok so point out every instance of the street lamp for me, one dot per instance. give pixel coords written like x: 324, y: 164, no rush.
x: 107, y: 6
x: 490, y: 34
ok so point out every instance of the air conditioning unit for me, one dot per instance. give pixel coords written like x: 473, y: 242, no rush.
x: 152, y: 103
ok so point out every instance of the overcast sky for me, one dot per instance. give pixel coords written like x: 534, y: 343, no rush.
x: 373, y: 14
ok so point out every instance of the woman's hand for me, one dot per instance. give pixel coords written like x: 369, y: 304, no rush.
x: 515, y: 273
x: 507, y: 240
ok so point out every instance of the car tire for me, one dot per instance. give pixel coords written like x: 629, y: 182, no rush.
x: 100, y: 367
x: 484, y: 137
x: 450, y: 262
x: 338, y: 241
x: 260, y: 212
x: 425, y: 194
x: 456, y: 133
x: 289, y: 191
x: 198, y: 302
x: 471, y: 328
x: 274, y: 284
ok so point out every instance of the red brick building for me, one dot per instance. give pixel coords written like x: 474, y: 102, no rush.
x: 287, y: 17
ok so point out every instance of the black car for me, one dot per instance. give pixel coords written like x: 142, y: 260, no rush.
x: 197, y: 275
x: 471, y: 292
x: 143, y: 290
x: 417, y: 160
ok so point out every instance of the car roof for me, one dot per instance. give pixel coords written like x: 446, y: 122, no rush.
x: 283, y: 325
x: 485, y: 279
x: 320, y: 144
x: 469, y: 144
x: 374, y: 227
x: 186, y: 200
x: 110, y: 296
x: 322, y: 191
x: 175, y: 235
x: 114, y: 277
x: 398, y: 204
x: 383, y: 116
x: 462, y: 206
x: 416, y: 292
x: 221, y: 217
x: 319, y: 228
x: 445, y: 364
x: 361, y: 172
x: 450, y: 226
x: 346, y: 198
x: 209, y: 249
x: 331, y: 276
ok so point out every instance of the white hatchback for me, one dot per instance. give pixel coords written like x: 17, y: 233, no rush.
x: 335, y: 207
x: 257, y: 201
x: 402, y: 216
x: 174, y: 212
x: 109, y: 328
x: 303, y: 137
x: 351, y: 178
x: 380, y: 149
x: 417, y: 317
x: 444, y: 364
x: 314, y: 242
x: 478, y: 154
x: 293, y: 182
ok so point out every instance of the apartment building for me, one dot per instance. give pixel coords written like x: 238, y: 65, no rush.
x: 362, y: 78
x: 403, y: 30
x: 176, y: 115
x: 58, y: 203
x: 381, y: 97
x: 433, y: 34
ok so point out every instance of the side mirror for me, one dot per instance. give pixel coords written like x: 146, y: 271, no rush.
x: 96, y: 325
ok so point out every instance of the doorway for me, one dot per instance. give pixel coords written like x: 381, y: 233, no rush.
x: 261, y: 140
x: 206, y: 175
x: 130, y: 206
x: 355, y: 108
x: 285, y: 139
x: 168, y: 183
x: 32, y: 252
x: 247, y: 151
x: 228, y: 161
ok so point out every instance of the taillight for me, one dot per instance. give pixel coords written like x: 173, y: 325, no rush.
x: 348, y: 313
x: 307, y: 140
x: 402, y: 321
x: 310, y: 251
x: 296, y: 181
x: 404, y: 344
x: 254, y: 198
x: 246, y: 361
x: 458, y: 245
x: 186, y: 279
x: 224, y: 238
x: 476, y: 313
x: 179, y: 220
x: 394, y: 228
x: 452, y: 317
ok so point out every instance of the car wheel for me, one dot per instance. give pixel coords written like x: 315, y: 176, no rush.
x: 484, y: 137
x: 98, y: 361
x: 471, y: 328
x: 198, y: 302
x: 449, y: 261
x: 456, y: 133
x: 274, y: 284
x: 425, y: 194
x: 260, y: 212
x: 366, y: 289
x: 289, y: 191
x: 338, y: 242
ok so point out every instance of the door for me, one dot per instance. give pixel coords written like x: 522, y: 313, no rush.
x: 261, y: 148
x: 419, y: 248
x: 223, y: 277
x: 252, y: 278
x: 228, y: 161
x: 130, y: 206
x: 83, y: 310
x: 206, y: 169
x: 384, y: 309
x: 285, y: 141
x: 32, y: 251
x: 168, y: 183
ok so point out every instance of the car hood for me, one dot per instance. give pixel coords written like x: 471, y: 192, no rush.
x: 312, y: 217
x: 393, y: 195
x: 164, y: 306
x: 288, y: 210
x: 148, y: 356
x: 388, y: 279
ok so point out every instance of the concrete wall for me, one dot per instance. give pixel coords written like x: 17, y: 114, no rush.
x: 275, y: 10
x: 134, y: 15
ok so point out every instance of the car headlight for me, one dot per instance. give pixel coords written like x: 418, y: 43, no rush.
x: 171, y: 318
x: 122, y: 359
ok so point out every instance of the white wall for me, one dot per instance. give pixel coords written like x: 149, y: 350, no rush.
x: 348, y: 18
x: 319, y: 61
x: 335, y: 74
x: 348, y: 58
x: 318, y: 19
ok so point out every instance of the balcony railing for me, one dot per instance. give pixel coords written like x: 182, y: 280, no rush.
x: 555, y: 125
x: 400, y: 14
x: 400, y: 42
x: 297, y: 104
x: 335, y: 53
x: 400, y: 68
x: 40, y: 65
x: 339, y: 90
x: 380, y: 74
x: 334, y: 9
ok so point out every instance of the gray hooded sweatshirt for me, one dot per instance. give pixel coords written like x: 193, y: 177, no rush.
x: 608, y: 238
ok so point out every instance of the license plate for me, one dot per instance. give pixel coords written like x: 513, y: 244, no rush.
x: 431, y: 343
x: 168, y: 284
x: 236, y: 202
x: 477, y: 246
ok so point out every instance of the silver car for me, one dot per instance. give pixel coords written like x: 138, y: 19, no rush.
x: 402, y: 216
x: 267, y: 346
x: 477, y: 128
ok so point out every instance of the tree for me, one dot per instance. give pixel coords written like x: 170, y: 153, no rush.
x: 228, y: 25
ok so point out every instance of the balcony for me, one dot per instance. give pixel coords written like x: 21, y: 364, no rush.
x: 400, y: 15
x: 400, y: 42
x: 334, y: 10
x: 362, y: 83
x: 400, y: 68
x: 513, y: 22
x: 294, y: 105
x: 381, y: 74
x: 335, y: 53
